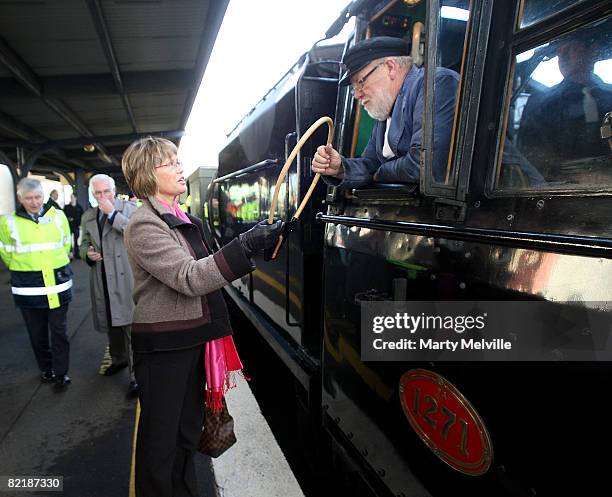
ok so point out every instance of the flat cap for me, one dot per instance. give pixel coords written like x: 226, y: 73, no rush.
x: 365, y: 51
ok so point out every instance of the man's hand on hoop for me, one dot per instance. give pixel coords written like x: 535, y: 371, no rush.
x: 327, y: 162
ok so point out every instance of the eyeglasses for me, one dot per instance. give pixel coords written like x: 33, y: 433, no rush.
x: 176, y: 165
x: 358, y: 85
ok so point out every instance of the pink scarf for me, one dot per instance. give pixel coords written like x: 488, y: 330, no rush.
x: 220, y: 355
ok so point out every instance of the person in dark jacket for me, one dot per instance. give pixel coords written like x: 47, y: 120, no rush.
x: 74, y: 212
x: 180, y: 319
x: 52, y: 202
x: 562, y: 124
x: 391, y: 88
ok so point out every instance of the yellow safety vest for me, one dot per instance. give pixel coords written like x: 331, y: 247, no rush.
x: 34, y: 252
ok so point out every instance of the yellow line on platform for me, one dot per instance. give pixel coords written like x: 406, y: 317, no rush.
x: 133, y: 468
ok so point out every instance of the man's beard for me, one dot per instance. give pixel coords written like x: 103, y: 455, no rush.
x: 380, y: 105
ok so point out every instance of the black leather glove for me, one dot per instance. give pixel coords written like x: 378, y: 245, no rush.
x: 261, y: 236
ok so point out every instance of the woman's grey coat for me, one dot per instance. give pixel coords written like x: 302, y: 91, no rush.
x: 119, y: 278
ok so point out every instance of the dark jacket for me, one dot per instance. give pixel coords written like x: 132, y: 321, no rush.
x: 405, y: 135
x: 52, y: 203
x: 554, y: 129
x: 74, y: 214
x: 178, y: 302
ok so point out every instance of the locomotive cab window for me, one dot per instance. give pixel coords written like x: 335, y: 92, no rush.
x: 417, y: 138
x: 560, y: 93
x: 451, y: 23
x: 533, y: 11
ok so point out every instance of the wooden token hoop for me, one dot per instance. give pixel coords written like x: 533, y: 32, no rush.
x: 282, y: 175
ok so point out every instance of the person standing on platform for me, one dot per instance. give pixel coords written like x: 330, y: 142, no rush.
x: 74, y: 212
x: 34, y: 245
x: 111, y: 279
x: 181, y: 331
x: 52, y: 202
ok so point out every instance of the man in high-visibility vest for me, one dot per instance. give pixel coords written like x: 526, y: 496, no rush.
x: 34, y: 244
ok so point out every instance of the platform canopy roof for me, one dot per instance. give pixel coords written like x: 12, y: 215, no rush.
x: 77, y: 73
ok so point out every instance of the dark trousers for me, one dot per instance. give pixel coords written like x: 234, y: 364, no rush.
x: 172, y: 385
x: 39, y: 323
x: 75, y: 246
x: 120, y: 346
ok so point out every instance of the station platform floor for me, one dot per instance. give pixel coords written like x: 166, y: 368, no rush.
x: 86, y: 433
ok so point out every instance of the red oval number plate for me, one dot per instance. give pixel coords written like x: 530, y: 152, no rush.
x: 446, y: 421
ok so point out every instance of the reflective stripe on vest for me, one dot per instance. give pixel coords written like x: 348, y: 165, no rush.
x: 39, y: 247
x: 33, y: 247
x: 60, y: 227
x: 41, y: 290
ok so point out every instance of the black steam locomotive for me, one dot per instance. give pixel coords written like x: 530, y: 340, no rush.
x: 512, y: 220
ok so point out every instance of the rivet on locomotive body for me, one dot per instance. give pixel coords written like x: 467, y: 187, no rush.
x: 540, y: 204
x: 510, y: 217
x: 462, y: 285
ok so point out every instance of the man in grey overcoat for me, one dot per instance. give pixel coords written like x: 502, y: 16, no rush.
x: 111, y: 277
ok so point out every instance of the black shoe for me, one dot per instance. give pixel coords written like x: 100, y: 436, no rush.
x: 115, y: 368
x: 48, y: 376
x: 62, y: 382
x: 133, y: 389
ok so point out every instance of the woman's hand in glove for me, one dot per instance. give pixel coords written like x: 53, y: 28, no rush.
x: 261, y: 236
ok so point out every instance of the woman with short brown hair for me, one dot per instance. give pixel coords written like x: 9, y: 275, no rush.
x: 181, y: 334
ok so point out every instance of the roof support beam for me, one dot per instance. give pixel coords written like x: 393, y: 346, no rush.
x: 169, y: 134
x: 107, y: 45
x: 5, y: 159
x: 79, y: 153
x: 22, y: 72
x: 35, y: 155
x: 19, y: 129
x: 32, y: 139
x: 100, y: 85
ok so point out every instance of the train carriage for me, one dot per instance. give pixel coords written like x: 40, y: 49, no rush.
x: 521, y: 213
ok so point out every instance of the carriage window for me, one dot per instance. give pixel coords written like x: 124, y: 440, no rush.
x: 452, y: 28
x: 533, y: 11
x: 561, y: 93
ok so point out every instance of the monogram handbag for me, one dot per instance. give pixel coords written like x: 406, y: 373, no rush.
x: 217, y: 432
